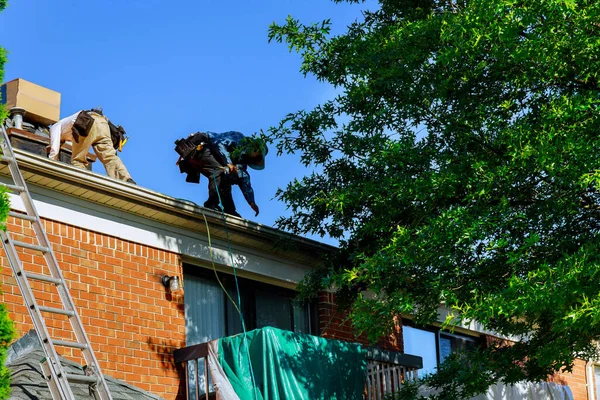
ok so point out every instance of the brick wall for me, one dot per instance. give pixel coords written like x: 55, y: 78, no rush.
x: 335, y: 324
x: 132, y: 322
x: 576, y: 380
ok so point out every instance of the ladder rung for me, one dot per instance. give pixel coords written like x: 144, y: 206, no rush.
x: 6, y: 159
x: 22, y: 216
x: 43, y: 278
x: 74, y: 345
x: 31, y: 246
x: 81, y: 378
x: 57, y: 311
x: 14, y: 188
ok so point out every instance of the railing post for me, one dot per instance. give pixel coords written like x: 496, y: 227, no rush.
x: 206, y: 377
x: 378, y: 375
x: 369, y: 380
x: 187, y: 380
x: 197, y: 389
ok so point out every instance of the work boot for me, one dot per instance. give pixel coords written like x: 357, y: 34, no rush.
x: 213, y: 207
x: 234, y: 213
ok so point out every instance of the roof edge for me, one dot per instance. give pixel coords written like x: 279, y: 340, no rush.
x: 138, y: 194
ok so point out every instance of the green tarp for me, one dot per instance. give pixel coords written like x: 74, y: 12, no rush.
x: 292, y: 366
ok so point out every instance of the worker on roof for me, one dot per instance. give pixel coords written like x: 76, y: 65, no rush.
x: 86, y: 129
x: 223, y: 158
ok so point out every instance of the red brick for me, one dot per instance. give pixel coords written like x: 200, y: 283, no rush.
x: 110, y: 280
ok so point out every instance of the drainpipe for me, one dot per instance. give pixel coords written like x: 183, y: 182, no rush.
x: 589, y: 380
x: 16, y: 113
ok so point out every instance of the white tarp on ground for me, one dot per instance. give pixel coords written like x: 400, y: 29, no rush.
x: 527, y: 391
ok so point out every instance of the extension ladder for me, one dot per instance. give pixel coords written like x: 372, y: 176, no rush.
x: 58, y: 380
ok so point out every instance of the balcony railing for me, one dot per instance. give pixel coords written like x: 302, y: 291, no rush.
x: 386, y: 372
x: 195, y: 364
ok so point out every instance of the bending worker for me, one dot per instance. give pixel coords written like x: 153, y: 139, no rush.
x: 87, y: 129
x: 223, y: 158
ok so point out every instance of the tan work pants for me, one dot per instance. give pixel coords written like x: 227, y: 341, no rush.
x: 99, y: 139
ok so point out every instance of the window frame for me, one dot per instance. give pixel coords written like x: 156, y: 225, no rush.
x: 477, y: 340
x: 248, y: 288
x: 596, y: 386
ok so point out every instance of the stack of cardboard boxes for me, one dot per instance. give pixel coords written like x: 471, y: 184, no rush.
x: 40, y: 107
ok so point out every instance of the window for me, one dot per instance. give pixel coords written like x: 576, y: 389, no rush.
x: 597, y: 379
x: 450, y: 343
x: 434, y: 345
x: 210, y: 314
x: 420, y: 342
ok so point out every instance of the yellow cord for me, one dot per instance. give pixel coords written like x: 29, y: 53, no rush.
x: 215, y: 268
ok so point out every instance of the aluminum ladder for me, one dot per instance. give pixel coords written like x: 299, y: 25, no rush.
x: 57, y: 378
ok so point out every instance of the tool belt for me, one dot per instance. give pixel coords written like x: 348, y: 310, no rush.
x: 187, y: 147
x: 118, y: 136
x: 191, y: 148
x: 82, y: 125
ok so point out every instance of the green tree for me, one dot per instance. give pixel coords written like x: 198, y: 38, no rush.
x: 458, y: 166
x: 7, y: 330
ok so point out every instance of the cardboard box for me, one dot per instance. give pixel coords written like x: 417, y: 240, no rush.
x: 42, y: 105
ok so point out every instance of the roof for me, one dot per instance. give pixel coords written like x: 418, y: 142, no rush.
x: 28, y: 383
x: 137, y: 200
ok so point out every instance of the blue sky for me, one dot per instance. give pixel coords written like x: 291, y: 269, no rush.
x: 167, y: 69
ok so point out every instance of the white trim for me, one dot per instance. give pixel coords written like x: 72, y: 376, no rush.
x: 101, y: 219
x: 471, y: 326
x: 589, y: 379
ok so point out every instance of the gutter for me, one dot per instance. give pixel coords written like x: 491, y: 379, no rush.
x: 100, y: 183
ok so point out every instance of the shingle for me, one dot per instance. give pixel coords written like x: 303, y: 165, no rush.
x: 27, y: 381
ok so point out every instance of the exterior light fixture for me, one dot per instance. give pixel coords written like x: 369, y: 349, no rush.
x: 172, y: 283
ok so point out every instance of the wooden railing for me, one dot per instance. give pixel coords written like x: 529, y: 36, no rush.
x: 386, y: 371
x: 196, y: 356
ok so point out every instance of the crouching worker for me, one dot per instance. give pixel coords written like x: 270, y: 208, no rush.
x: 223, y: 158
x: 87, y: 129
